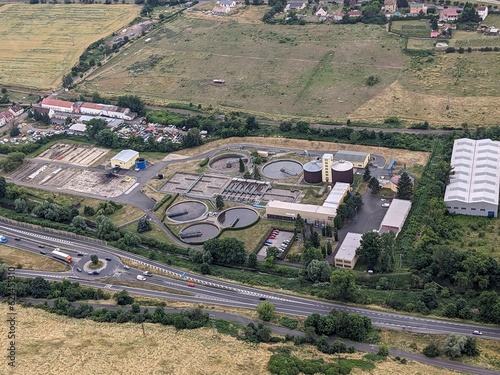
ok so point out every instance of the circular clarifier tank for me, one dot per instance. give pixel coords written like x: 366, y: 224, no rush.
x: 186, y: 211
x: 228, y: 162
x: 238, y: 217
x: 282, y: 169
x: 199, y: 232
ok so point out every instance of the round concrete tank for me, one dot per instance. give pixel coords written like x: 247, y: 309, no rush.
x: 342, y: 171
x: 140, y: 163
x: 313, y: 172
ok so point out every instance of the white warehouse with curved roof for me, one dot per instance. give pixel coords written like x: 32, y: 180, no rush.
x: 474, y: 185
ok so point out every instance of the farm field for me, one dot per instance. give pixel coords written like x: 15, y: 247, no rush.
x: 307, y: 71
x: 416, y: 29
x: 42, y: 336
x: 40, y: 43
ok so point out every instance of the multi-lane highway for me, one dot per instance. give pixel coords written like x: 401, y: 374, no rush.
x: 208, y: 290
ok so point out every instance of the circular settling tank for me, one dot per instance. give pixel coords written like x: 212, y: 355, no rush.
x: 281, y: 169
x: 186, y: 211
x: 237, y: 217
x: 227, y: 162
x: 199, y: 232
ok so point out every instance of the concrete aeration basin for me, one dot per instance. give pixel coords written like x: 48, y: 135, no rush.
x: 199, y: 232
x: 186, y: 211
x: 237, y: 217
x: 227, y: 162
x: 282, y: 169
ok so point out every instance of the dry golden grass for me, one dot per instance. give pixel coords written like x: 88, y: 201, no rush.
x: 126, y: 214
x: 56, y: 345
x: 413, y: 342
x: 42, y: 42
x: 419, y: 107
x: 403, y: 156
x: 12, y: 257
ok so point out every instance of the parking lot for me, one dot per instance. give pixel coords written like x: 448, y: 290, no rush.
x: 277, y: 241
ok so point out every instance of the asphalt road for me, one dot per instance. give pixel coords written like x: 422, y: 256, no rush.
x: 222, y: 293
x: 276, y: 329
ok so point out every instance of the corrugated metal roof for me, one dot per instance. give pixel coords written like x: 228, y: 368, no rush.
x: 476, y: 175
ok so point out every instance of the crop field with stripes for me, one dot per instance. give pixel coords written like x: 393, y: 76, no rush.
x: 40, y: 43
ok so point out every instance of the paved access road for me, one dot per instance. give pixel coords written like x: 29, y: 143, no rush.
x: 222, y: 292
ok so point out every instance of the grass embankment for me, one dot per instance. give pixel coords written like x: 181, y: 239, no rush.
x: 14, y: 257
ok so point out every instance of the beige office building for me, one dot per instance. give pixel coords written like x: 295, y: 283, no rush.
x: 346, y: 256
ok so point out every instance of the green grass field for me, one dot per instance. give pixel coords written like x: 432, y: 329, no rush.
x: 42, y: 42
x: 310, y: 71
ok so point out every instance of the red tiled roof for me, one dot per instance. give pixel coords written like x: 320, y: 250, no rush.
x: 450, y: 12
x: 92, y: 106
x: 57, y: 102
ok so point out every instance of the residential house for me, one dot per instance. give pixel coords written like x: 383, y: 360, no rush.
x: 217, y: 10
x: 416, y: 8
x: 390, y: 6
x: 41, y: 110
x: 2, y: 120
x: 16, y: 110
x: 435, y: 34
x: 482, y: 11
x: 337, y: 17
x: 449, y: 14
x: 9, y: 117
x: 227, y: 3
x: 321, y: 13
x: 355, y: 13
x: 295, y: 5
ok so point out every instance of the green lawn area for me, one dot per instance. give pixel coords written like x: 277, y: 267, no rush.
x: 312, y: 196
x: 157, y: 233
x: 125, y: 215
x: 461, y: 38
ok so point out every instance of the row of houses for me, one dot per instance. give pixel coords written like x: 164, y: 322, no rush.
x: 8, y: 116
x: 93, y: 109
x: 445, y: 13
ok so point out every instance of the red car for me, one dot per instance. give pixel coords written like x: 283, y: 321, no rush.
x: 191, y: 285
x: 271, y: 237
x: 276, y: 231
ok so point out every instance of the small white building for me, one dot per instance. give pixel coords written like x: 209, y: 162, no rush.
x: 321, y: 13
x: 3, y: 121
x: 482, y: 12
x: 78, y: 128
x: 395, y: 216
x: 16, y: 110
x: 346, y: 256
x: 125, y: 159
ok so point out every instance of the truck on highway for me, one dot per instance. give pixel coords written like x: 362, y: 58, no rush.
x: 58, y: 254
x: 3, y: 239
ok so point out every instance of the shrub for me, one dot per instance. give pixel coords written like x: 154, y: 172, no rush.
x: 204, y: 162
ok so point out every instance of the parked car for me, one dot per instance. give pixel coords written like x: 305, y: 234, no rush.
x: 90, y: 273
x: 385, y: 205
x: 96, y: 272
x: 271, y: 237
x: 78, y: 269
x: 191, y: 285
x: 108, y: 259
